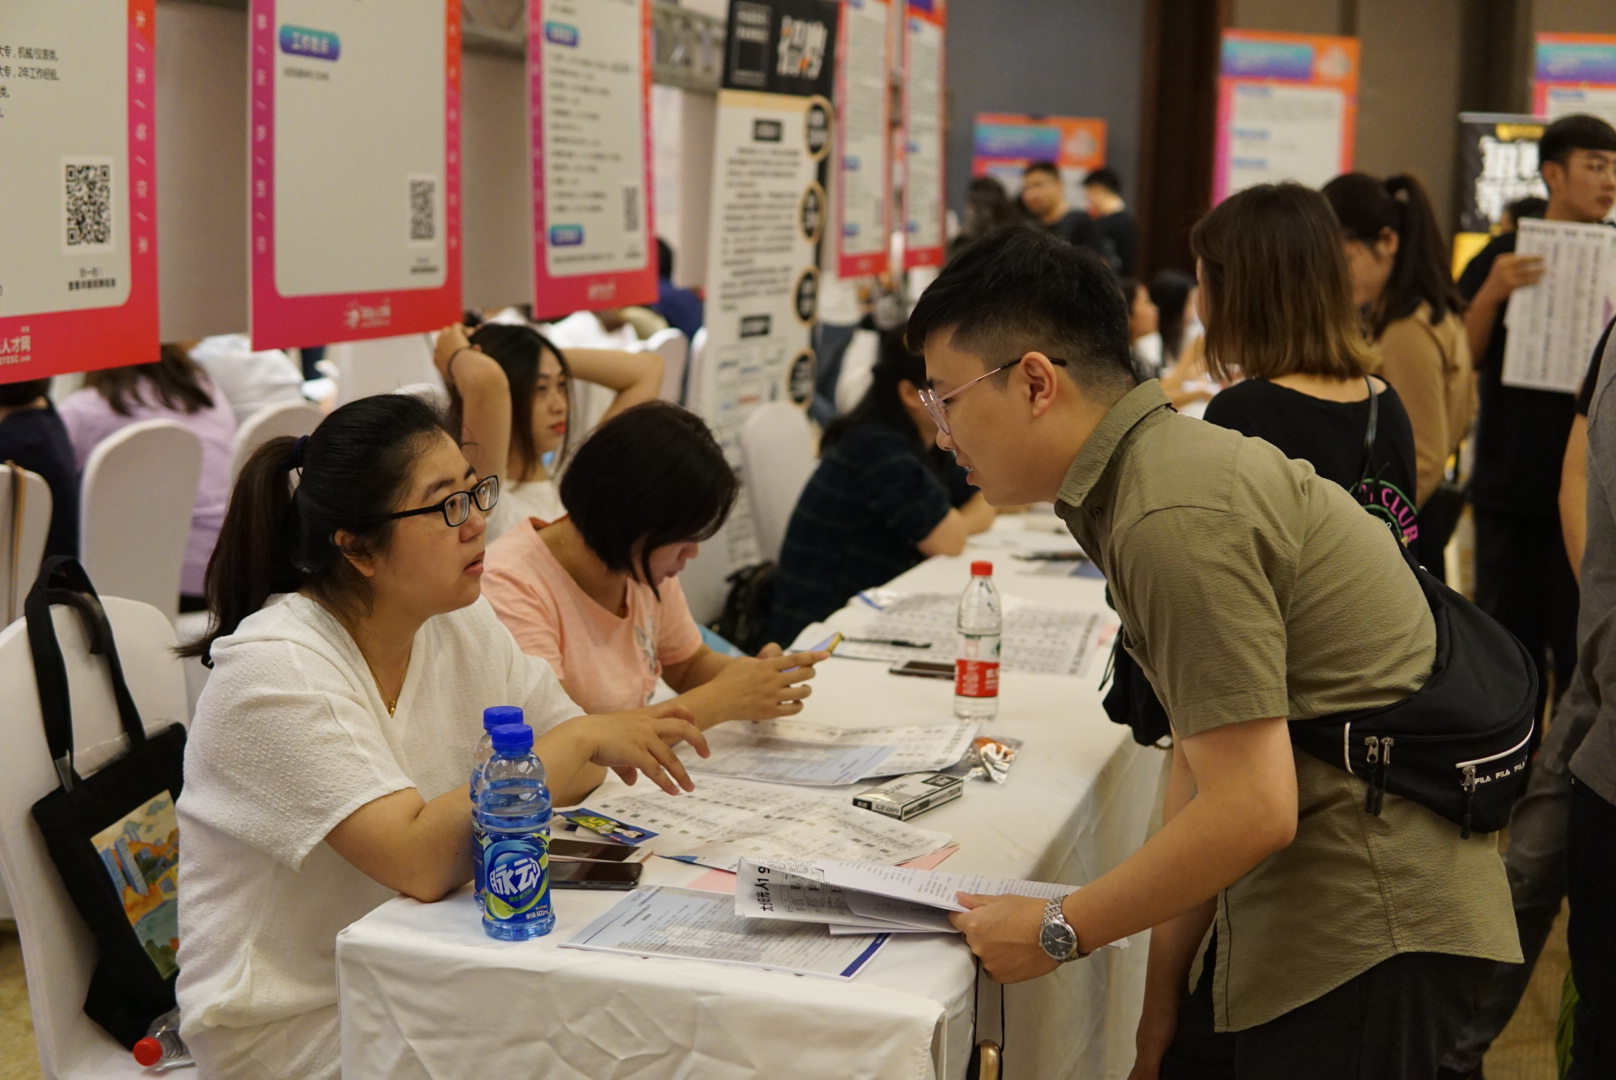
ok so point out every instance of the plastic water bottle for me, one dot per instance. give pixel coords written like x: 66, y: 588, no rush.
x: 493, y: 717
x: 513, y: 808
x: 976, y: 669
x: 162, y: 1048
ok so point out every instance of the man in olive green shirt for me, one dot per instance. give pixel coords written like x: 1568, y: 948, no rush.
x: 1251, y: 593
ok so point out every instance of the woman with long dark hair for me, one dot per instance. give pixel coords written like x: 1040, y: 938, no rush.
x: 510, y: 395
x: 173, y: 388
x: 882, y: 498
x: 327, y: 763
x: 1414, y: 317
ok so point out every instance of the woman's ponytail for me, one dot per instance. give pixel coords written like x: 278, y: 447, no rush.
x: 1365, y: 206
x: 251, y: 561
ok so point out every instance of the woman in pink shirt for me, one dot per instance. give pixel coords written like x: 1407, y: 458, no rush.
x: 174, y: 388
x: 596, y: 593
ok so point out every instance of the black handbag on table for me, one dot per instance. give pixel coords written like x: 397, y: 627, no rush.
x: 113, y: 834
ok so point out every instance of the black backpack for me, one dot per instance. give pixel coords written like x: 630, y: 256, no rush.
x: 745, y: 621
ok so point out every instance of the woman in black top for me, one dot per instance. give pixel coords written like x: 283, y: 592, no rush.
x: 33, y: 436
x: 1276, y: 298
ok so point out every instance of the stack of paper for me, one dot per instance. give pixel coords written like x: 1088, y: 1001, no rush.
x: 863, y: 898
x: 1040, y: 640
x: 723, y: 820
x: 791, y: 752
x: 700, y: 926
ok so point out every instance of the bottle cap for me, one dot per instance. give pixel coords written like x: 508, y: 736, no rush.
x: 981, y: 568
x: 148, y: 1052
x: 512, y: 739
x: 496, y: 715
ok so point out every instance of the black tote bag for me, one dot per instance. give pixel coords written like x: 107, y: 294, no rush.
x: 112, y: 835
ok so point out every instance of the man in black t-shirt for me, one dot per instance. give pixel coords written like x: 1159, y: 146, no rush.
x: 1110, y: 213
x: 1523, y: 578
x: 1044, y: 196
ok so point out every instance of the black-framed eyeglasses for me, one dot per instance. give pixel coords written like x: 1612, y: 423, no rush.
x: 457, y: 507
x: 934, y: 403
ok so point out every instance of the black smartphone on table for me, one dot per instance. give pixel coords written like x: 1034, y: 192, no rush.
x: 567, y: 874
x: 925, y: 669
x: 563, y: 848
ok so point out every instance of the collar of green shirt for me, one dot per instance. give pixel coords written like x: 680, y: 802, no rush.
x: 1091, y: 461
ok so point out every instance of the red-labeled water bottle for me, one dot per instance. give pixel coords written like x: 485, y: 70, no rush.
x: 976, y: 669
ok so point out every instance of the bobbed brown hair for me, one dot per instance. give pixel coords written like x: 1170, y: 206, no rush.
x: 175, y: 381
x: 1278, y: 294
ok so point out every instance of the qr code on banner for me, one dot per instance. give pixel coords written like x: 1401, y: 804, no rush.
x: 86, y: 205
x: 631, y: 208
x: 423, y: 209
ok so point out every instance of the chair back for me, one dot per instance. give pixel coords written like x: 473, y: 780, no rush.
x: 698, y: 380
x: 674, y: 349
x: 382, y: 365
x: 24, y: 548
x: 138, y: 494
x: 858, y: 369
x: 777, y: 457
x: 288, y: 418
x: 57, y: 949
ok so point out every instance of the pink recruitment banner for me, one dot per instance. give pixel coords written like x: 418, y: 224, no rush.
x: 78, y: 264
x: 355, y: 166
x: 923, y: 207
x: 862, y: 168
x: 589, y: 73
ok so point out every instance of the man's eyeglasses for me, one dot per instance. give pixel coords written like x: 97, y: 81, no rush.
x: 457, y: 507
x: 934, y: 404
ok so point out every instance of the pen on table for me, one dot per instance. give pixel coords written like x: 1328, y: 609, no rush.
x: 1051, y: 556
x: 896, y: 642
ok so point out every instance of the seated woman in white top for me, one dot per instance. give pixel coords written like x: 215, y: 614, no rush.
x: 327, y: 765
x: 597, y: 593
x: 508, y: 387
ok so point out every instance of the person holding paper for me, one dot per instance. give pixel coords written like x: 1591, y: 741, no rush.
x: 327, y: 764
x: 1346, y: 944
x: 596, y: 593
x: 508, y: 393
x: 1522, y: 576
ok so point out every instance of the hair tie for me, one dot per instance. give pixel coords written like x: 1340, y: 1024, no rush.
x: 294, y: 460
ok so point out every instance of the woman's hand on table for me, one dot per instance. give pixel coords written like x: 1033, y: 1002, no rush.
x: 767, y: 686
x: 1004, y: 931
x: 641, y: 741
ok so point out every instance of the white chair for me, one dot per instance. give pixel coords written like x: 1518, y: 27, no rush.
x: 288, y: 418
x: 138, y: 494
x: 698, y: 378
x: 382, y: 365
x: 777, y: 458
x: 36, y: 518
x: 674, y: 348
x: 58, y: 951
x: 858, y: 365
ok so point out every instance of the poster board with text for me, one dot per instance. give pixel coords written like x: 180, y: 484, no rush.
x: 925, y: 28
x: 1004, y: 144
x: 78, y: 209
x: 355, y: 169
x: 1287, y: 109
x: 1575, y: 73
x: 861, y: 166
x: 589, y: 70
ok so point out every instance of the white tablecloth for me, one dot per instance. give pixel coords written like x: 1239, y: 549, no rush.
x: 425, y: 993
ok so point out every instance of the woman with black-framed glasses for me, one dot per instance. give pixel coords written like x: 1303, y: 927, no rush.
x: 327, y: 764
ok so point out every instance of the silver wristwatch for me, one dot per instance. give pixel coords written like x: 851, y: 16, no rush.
x: 1057, y: 937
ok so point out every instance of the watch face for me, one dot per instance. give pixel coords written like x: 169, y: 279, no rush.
x: 1058, y: 940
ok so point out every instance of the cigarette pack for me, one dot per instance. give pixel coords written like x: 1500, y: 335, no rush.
x: 910, y: 796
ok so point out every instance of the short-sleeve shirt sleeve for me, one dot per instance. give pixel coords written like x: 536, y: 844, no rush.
x: 312, y: 754
x: 678, y: 636
x: 1585, y: 395
x: 1205, y: 622
x: 533, y: 681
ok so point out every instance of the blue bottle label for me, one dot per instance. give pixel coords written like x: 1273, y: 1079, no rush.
x: 516, y: 884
